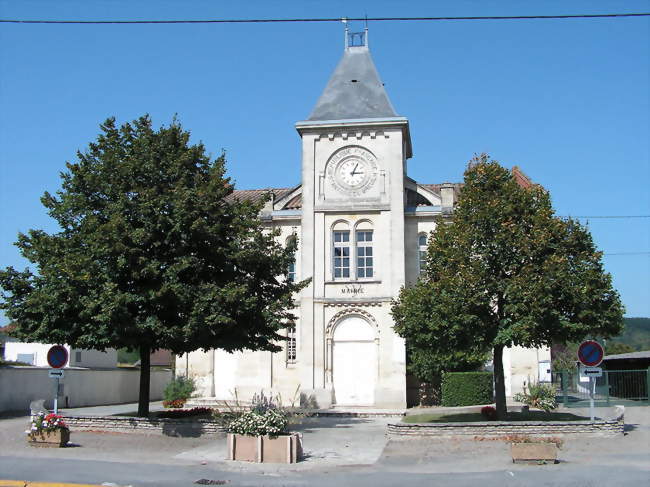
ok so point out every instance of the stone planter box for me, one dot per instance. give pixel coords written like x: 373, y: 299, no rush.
x: 52, y: 439
x: 533, y: 452
x: 265, y: 449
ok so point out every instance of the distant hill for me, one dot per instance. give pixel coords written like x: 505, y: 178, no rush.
x: 636, y: 333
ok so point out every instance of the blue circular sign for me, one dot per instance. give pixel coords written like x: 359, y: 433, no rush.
x: 590, y: 353
x: 57, y: 356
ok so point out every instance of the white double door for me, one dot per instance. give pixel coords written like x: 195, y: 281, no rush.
x: 354, y: 363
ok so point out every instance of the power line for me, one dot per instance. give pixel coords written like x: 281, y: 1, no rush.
x: 337, y: 19
x: 609, y: 216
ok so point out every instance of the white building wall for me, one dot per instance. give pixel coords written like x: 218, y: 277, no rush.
x: 88, y: 358
x: 81, y: 387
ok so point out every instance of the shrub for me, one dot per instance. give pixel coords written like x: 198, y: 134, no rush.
x: 185, y: 413
x: 489, y: 413
x: 270, y: 422
x: 466, y: 388
x: 540, y: 396
x: 180, y: 388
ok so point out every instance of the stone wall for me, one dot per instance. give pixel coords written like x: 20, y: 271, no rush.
x: 495, y: 428
x: 128, y: 424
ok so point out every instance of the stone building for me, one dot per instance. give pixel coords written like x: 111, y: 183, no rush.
x: 362, y: 226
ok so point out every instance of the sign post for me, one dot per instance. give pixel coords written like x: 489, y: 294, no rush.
x: 590, y: 354
x: 57, y: 357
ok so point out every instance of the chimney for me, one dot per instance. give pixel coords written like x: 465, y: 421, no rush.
x: 448, y: 198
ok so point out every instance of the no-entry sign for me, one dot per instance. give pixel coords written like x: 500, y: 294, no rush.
x: 590, y: 353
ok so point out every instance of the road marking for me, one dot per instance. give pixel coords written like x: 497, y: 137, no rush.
x: 25, y: 483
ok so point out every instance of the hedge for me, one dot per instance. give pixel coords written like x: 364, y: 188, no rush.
x: 467, y: 388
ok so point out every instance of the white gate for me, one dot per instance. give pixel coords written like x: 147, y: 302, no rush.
x: 354, y: 362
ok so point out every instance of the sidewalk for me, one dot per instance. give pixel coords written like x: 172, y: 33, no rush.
x: 332, y: 442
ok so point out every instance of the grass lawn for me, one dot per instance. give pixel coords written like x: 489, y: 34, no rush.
x: 478, y: 417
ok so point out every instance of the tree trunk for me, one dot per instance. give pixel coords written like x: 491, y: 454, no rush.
x: 499, y: 383
x: 145, y: 381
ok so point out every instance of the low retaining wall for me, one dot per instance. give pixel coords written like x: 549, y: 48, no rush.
x: 494, y: 428
x: 128, y: 424
x: 610, y: 427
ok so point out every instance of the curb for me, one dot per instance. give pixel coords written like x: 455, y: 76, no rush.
x: 25, y: 483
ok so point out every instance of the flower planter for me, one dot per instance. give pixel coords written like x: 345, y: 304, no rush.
x: 53, y: 439
x: 534, y: 452
x: 265, y: 449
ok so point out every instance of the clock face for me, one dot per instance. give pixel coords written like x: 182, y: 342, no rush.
x: 352, y: 170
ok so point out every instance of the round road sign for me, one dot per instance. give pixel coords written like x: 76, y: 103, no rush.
x: 590, y: 353
x: 57, y: 356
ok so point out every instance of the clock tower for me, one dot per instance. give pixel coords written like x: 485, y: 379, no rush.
x: 354, y: 152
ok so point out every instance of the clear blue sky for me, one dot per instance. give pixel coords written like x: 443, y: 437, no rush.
x: 566, y: 100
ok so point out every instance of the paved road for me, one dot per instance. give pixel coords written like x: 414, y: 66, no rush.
x: 341, y: 451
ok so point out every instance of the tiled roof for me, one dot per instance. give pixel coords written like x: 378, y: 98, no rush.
x: 521, y: 179
x: 256, y: 195
x: 628, y: 356
x: 412, y: 198
x: 294, y: 203
x: 435, y: 188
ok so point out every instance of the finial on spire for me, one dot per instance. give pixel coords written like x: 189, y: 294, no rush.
x: 356, y: 39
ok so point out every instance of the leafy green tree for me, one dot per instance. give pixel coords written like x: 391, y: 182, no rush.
x: 613, y: 348
x: 564, y: 357
x: 506, y: 272
x: 425, y: 359
x: 151, y: 254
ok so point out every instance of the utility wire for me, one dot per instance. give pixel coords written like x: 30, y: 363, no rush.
x: 337, y: 19
x: 609, y: 216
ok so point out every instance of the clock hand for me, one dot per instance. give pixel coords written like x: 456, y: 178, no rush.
x: 353, y: 170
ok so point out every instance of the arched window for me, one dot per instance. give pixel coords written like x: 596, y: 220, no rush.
x: 341, y: 251
x: 422, y: 251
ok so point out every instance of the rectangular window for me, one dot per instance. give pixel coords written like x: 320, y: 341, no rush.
x: 422, y: 251
x: 364, y: 254
x: 341, y: 254
x: 291, y: 345
x: 291, y: 272
x: 77, y: 356
x: 26, y: 358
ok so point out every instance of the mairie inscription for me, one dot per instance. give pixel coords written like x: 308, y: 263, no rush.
x: 353, y: 289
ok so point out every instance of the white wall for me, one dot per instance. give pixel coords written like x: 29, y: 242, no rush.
x: 89, y: 358
x: 39, y: 350
x: 82, y: 387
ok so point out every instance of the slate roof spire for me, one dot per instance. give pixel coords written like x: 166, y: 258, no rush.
x: 354, y: 90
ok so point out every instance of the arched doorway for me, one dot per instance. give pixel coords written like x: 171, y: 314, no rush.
x: 354, y: 362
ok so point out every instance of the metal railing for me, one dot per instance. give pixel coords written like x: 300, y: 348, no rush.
x: 614, y: 387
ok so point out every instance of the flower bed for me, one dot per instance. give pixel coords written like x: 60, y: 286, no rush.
x: 48, y: 430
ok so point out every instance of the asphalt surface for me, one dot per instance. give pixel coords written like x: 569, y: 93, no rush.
x: 339, y: 451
